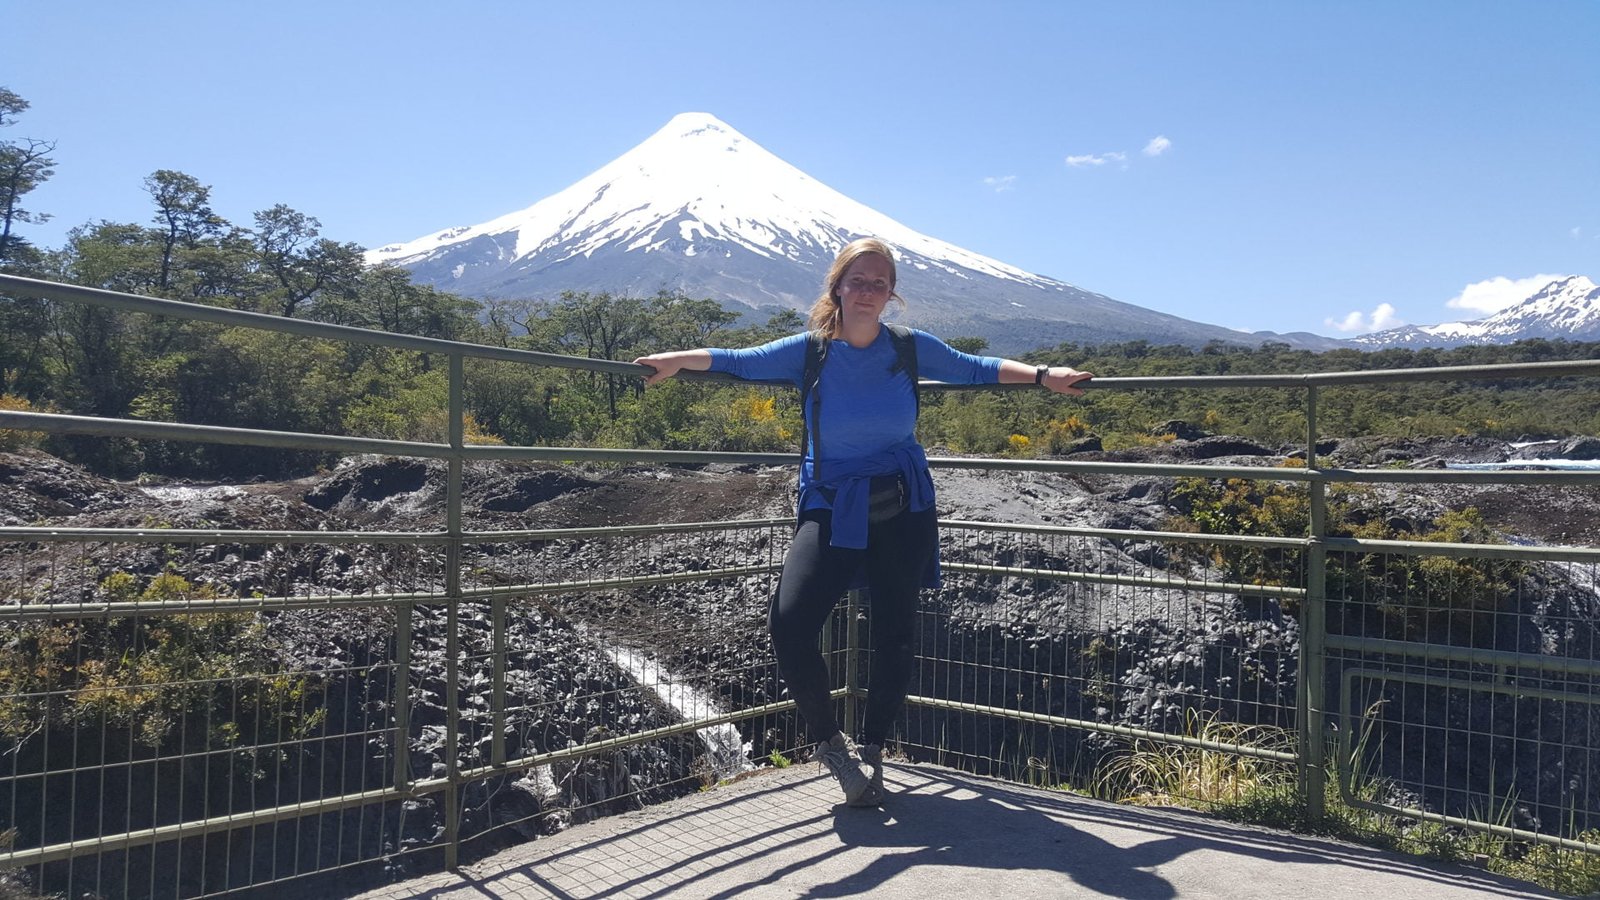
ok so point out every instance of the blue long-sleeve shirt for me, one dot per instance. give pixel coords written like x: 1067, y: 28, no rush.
x: 868, y: 417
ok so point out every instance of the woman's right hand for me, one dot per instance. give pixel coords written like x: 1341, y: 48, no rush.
x: 663, y: 368
x: 667, y: 365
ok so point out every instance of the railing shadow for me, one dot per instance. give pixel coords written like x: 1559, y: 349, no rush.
x: 946, y: 834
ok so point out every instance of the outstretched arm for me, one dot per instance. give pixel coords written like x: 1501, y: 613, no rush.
x: 1061, y: 379
x: 667, y: 365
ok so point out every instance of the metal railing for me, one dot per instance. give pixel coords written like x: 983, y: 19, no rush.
x: 540, y: 693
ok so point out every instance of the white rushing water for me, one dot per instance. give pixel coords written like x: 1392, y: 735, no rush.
x: 174, y: 492
x: 729, y: 754
x: 1570, y: 465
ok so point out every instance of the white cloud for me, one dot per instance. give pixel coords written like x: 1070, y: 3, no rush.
x: 1001, y: 183
x: 1357, y: 321
x: 1497, y: 293
x: 1577, y: 232
x: 1384, y: 317
x: 1096, y: 159
x: 1157, y: 146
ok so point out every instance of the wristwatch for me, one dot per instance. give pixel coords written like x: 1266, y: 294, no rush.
x: 1039, y: 373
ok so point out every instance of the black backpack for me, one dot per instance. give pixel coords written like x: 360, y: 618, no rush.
x: 905, y: 360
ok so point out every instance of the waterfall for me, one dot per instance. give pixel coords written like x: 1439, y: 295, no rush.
x: 728, y: 752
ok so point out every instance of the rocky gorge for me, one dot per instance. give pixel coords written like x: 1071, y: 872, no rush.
x: 1119, y: 651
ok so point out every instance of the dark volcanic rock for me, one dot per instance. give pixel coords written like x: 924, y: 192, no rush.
x: 35, y: 485
x: 1215, y: 447
x: 365, y: 480
x: 1380, y: 451
x: 1581, y: 447
x: 1086, y: 444
x: 1181, y: 430
x: 518, y: 491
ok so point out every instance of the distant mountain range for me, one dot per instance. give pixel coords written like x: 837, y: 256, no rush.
x: 700, y: 208
x: 1568, y: 309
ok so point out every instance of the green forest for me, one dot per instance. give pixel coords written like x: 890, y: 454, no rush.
x: 77, y: 359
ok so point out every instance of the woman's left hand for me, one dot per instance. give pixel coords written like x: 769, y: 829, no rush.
x: 1066, y: 380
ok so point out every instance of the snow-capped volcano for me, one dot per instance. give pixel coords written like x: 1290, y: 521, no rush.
x: 1567, y: 309
x: 701, y: 209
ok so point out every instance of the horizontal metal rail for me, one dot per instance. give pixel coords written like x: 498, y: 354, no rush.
x: 52, y: 534
x: 1126, y: 731
x: 639, y: 737
x: 1122, y: 534
x: 1455, y: 476
x: 49, y: 534
x: 33, y: 612
x: 618, y: 582
x: 1555, y: 369
x: 1199, y: 587
x: 1477, y: 551
x: 141, y: 837
x: 35, y: 534
x: 603, y: 531
x: 1098, y: 467
x: 55, y: 423
x: 1511, y: 659
x: 222, y: 605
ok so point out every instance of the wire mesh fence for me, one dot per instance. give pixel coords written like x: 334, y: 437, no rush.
x: 1465, y: 691
x: 1051, y: 652
x: 184, y: 718
x: 189, y: 715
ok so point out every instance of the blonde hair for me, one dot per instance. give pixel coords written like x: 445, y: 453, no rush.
x: 825, y: 316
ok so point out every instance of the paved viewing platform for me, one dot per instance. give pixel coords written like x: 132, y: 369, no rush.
x: 784, y: 833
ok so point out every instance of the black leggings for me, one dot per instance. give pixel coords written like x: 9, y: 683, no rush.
x: 815, y: 576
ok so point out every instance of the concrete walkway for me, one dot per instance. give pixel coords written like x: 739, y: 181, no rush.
x: 782, y: 833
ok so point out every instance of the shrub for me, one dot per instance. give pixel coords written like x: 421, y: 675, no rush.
x: 11, y: 439
x: 148, y: 673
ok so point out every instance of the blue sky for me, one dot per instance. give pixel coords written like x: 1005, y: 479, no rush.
x: 1278, y: 165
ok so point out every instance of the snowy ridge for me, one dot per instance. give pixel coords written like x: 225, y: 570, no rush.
x: 1568, y: 308
x: 694, y: 179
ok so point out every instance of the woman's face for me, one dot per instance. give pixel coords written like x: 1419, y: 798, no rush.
x: 864, y: 290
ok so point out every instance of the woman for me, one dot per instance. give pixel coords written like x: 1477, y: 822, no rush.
x: 866, y: 505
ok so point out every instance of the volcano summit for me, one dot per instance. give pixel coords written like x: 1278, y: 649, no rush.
x: 701, y: 209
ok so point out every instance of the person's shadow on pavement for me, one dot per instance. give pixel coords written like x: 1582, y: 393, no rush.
x: 988, y: 832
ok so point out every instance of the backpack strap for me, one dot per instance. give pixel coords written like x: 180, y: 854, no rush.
x: 905, y: 359
x: 811, y: 413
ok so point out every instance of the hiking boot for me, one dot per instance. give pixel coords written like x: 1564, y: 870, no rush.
x: 872, y: 755
x: 857, y: 787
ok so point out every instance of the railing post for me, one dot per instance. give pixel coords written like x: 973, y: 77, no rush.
x: 852, y: 660
x: 401, y: 695
x: 452, y: 597
x: 1312, y: 700
x: 497, y: 696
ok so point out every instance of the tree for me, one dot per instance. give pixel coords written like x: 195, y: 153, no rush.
x: 183, y: 212
x: 24, y: 165
x: 782, y: 324
x: 303, y: 264
x: 680, y: 321
x: 385, y: 298
x: 601, y: 327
